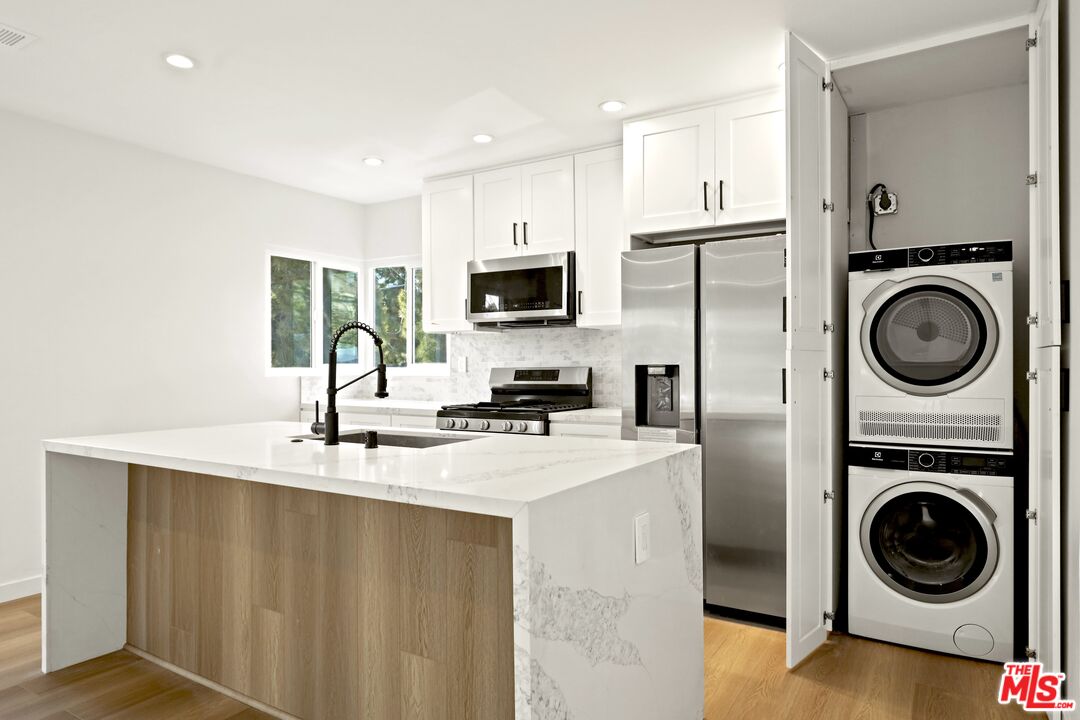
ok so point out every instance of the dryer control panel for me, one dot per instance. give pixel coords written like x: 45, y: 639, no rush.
x: 955, y: 462
x: 930, y: 255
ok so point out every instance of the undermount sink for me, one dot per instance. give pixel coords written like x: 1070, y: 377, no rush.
x: 359, y: 437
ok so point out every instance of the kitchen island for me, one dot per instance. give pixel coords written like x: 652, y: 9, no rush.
x: 496, y: 577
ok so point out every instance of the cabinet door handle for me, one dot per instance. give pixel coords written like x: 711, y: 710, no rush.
x: 579, y: 301
x: 525, y: 232
x: 705, y: 194
x: 783, y: 314
x: 721, y: 201
x: 515, y: 234
x: 783, y: 386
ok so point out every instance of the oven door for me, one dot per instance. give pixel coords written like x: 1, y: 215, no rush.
x: 531, y: 289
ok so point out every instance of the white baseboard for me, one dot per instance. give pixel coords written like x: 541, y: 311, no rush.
x: 17, y: 589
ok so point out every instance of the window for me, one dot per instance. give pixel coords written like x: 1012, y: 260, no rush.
x: 290, y: 312
x: 398, y: 317
x: 298, y: 332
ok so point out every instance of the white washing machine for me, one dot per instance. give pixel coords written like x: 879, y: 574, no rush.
x: 931, y: 345
x: 930, y: 549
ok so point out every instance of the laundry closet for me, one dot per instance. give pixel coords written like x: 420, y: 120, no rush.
x: 935, y: 164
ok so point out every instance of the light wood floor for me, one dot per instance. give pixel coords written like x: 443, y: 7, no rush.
x: 744, y: 678
x: 848, y: 677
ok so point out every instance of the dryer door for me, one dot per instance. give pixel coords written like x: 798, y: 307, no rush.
x: 928, y: 335
x: 930, y: 542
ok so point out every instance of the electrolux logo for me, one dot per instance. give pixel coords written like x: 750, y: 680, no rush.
x: 1028, y: 686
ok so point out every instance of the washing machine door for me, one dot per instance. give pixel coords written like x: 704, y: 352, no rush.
x: 928, y: 335
x: 930, y: 542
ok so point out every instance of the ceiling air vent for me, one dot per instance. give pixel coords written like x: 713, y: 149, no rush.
x: 13, y: 38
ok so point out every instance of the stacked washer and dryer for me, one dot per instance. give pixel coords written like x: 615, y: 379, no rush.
x: 930, y: 461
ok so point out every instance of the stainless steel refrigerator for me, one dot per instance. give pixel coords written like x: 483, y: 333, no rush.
x: 704, y: 361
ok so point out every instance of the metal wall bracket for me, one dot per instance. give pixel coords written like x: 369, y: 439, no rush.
x: 1032, y: 179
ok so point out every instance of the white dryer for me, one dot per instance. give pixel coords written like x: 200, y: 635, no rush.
x: 931, y: 345
x: 930, y: 549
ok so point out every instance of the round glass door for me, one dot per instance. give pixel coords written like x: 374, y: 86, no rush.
x: 929, y: 542
x: 929, y: 336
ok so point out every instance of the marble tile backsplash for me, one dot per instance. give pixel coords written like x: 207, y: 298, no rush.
x: 599, y: 349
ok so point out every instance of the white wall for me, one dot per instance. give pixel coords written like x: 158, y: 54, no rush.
x: 392, y: 229
x: 132, y: 288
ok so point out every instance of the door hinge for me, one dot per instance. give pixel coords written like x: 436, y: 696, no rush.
x: 827, y: 206
x: 1032, y: 515
x: 1031, y: 42
x: 828, y: 616
x: 1033, y: 320
x: 1032, y: 179
x: 826, y: 86
x: 828, y: 327
x: 829, y: 495
x: 1032, y: 375
x: 1030, y: 654
x: 827, y: 374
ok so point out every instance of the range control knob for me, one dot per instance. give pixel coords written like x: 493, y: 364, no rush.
x: 484, y: 424
x: 927, y: 460
x: 521, y: 426
x: 926, y: 254
x: 507, y: 426
x: 463, y: 424
x: 450, y: 424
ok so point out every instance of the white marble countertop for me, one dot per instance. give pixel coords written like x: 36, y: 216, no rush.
x: 590, y: 416
x: 386, y: 405
x: 492, y: 474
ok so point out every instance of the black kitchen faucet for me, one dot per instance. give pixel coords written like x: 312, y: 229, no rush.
x: 329, y: 428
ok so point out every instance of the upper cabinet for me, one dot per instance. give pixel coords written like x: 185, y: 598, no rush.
x: 525, y: 210
x: 598, y: 205
x: 446, y: 247
x: 669, y: 166
x: 722, y: 165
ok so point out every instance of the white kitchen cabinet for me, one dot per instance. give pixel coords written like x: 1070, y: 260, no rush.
x: 525, y: 209
x: 498, y: 213
x: 669, y: 169
x: 600, y: 238
x: 717, y: 166
x: 750, y: 160
x: 446, y: 248
x: 612, y: 432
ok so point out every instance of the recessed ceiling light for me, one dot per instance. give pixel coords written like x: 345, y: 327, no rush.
x: 612, y: 106
x: 373, y: 161
x: 482, y: 138
x: 182, y: 62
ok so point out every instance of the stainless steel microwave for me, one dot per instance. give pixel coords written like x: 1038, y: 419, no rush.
x: 522, y: 291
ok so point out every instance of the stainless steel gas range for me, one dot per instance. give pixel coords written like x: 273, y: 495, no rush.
x: 522, y: 399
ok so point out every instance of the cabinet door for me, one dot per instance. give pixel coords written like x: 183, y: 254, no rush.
x: 669, y: 168
x: 1044, y: 150
x: 446, y: 248
x: 498, y: 213
x: 600, y: 239
x: 750, y: 160
x: 547, y: 206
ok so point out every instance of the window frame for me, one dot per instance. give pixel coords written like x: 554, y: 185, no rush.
x: 411, y: 263
x: 318, y: 263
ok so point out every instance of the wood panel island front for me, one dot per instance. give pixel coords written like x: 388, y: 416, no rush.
x: 491, y: 578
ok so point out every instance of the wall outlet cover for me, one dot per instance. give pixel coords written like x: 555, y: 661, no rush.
x: 642, y: 539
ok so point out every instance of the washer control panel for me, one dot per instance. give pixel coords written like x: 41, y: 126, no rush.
x: 930, y: 255
x: 955, y: 462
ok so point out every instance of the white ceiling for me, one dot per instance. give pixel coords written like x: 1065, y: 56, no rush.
x: 300, y: 91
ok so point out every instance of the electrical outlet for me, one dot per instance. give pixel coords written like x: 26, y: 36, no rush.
x: 642, y: 539
x: 460, y: 364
